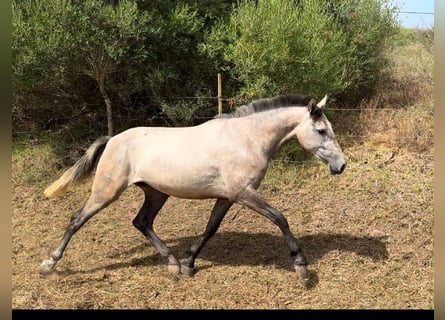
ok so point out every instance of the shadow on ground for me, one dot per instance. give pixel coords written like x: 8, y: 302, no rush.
x: 256, y: 249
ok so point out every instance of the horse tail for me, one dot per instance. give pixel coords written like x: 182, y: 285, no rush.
x: 81, y: 169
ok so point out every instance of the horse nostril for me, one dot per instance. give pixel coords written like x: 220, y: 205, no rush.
x: 342, y: 167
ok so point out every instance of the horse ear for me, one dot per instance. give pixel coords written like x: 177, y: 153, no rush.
x: 315, y: 111
x: 322, y: 103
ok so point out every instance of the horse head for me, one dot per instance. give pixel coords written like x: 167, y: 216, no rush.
x: 315, y: 134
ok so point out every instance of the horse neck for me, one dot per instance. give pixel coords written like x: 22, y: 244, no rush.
x: 276, y: 127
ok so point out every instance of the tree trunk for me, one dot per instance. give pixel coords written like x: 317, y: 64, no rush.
x: 101, y: 82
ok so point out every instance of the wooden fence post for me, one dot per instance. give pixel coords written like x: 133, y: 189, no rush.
x: 219, y: 94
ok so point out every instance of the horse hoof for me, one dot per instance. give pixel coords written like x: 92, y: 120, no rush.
x: 174, y: 268
x: 302, y: 272
x: 187, y: 271
x: 46, y: 268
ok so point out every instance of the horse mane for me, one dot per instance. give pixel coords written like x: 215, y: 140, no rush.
x: 268, y: 104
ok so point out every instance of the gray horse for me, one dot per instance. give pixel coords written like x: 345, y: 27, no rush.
x: 225, y: 158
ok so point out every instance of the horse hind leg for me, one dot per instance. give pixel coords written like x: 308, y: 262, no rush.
x: 103, y: 193
x: 154, y: 200
x: 78, y: 219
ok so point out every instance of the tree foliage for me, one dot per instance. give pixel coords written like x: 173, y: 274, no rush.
x: 135, y: 55
x: 156, y: 61
x: 310, y: 46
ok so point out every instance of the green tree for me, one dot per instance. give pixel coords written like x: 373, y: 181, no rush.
x: 308, y: 46
x: 370, y: 27
x: 110, y: 41
x: 58, y: 39
x: 184, y: 77
x: 136, y: 55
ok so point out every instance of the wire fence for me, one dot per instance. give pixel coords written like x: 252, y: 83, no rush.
x: 311, y: 161
x: 233, y: 103
x: 416, y: 12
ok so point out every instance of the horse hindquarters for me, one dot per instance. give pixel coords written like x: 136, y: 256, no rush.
x: 109, y: 183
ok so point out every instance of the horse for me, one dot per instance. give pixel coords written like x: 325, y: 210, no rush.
x: 224, y: 158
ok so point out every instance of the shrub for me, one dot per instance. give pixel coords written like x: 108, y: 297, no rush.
x: 306, y: 46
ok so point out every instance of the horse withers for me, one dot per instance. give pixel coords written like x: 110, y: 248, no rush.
x: 225, y: 158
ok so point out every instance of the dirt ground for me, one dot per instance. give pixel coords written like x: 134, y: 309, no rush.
x: 367, y: 234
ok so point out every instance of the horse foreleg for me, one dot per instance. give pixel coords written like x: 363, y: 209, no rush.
x: 254, y: 201
x: 218, y: 212
x: 154, y: 200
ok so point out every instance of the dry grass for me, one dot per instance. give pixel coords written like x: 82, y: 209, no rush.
x: 411, y: 129
x: 368, y: 233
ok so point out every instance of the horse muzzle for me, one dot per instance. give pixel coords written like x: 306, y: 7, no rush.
x: 336, y: 162
x: 338, y: 169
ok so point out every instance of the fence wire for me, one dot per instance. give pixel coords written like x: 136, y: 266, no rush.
x: 232, y: 101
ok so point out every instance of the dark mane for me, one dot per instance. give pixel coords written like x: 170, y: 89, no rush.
x: 268, y: 104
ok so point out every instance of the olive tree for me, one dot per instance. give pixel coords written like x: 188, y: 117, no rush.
x: 306, y: 46
x: 55, y: 41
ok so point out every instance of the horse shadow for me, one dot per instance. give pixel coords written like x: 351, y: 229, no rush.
x: 257, y: 249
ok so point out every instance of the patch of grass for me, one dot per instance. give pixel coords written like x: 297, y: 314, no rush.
x: 411, y: 72
x: 401, y: 113
x: 39, y: 158
x: 411, y: 128
x: 34, y: 162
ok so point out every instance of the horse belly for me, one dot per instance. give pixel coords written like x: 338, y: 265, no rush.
x: 186, y: 163
x: 198, y: 183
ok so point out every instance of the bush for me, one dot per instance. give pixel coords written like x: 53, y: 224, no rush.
x: 307, y: 46
x: 72, y: 58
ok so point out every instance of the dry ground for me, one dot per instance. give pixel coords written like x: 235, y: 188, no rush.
x: 368, y: 236
x: 368, y: 233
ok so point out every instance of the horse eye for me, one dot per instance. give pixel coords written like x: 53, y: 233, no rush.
x: 322, y: 131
